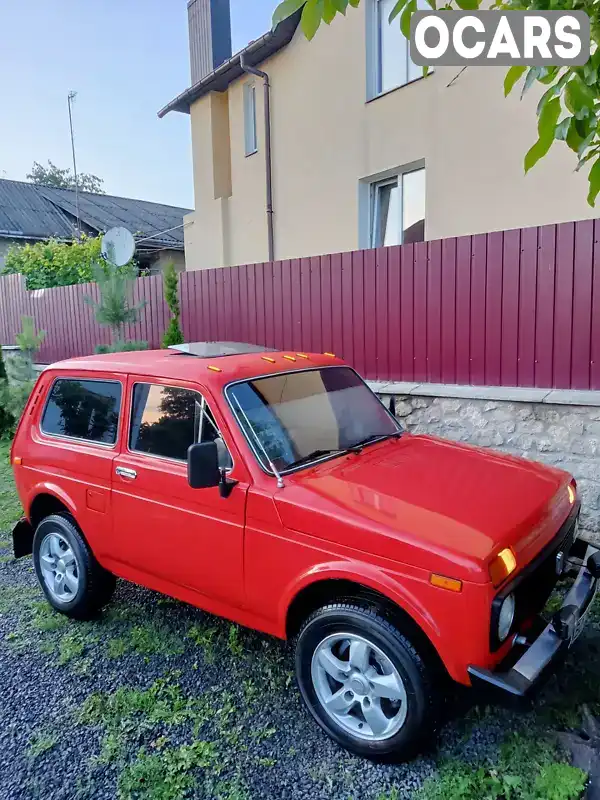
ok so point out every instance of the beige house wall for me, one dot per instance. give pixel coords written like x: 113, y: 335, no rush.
x: 327, y: 139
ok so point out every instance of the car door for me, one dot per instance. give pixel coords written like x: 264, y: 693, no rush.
x: 163, y: 528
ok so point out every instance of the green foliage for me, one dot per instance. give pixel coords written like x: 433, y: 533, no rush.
x: 569, y: 110
x: 166, y: 775
x: 173, y: 334
x: 64, y: 178
x: 114, y: 308
x: 40, y: 743
x: 13, y: 398
x: 526, y: 770
x: 28, y: 340
x: 121, y: 347
x: 53, y: 263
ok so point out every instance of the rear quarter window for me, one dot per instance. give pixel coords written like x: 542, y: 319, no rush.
x: 83, y: 409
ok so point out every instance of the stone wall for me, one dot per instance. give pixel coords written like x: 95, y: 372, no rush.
x: 565, y: 436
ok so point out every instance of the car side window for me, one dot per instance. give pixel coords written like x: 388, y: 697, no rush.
x: 83, y: 409
x: 166, y: 420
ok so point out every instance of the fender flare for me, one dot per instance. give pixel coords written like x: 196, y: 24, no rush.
x: 371, y: 578
x: 46, y: 487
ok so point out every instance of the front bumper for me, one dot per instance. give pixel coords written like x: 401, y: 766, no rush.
x: 556, y: 638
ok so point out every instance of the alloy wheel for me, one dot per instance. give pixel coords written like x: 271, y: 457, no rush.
x: 59, y: 567
x: 359, y: 687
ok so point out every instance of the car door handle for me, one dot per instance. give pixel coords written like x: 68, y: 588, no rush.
x: 125, y: 472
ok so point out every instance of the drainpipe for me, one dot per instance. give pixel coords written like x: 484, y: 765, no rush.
x: 268, y: 155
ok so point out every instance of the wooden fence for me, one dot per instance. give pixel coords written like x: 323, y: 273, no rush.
x: 512, y: 308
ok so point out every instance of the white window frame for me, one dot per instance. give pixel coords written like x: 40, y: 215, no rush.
x: 250, y: 128
x: 367, y: 202
x: 374, y: 60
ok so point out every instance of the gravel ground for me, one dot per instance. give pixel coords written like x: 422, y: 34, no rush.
x: 157, y: 700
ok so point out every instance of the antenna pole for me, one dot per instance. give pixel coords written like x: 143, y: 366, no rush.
x: 71, y: 97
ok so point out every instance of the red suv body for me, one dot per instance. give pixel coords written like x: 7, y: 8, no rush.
x: 395, y: 557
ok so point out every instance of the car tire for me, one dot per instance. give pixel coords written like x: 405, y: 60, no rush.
x: 72, y: 580
x: 347, y: 657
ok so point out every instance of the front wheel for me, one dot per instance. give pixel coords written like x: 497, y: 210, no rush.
x: 72, y: 580
x: 364, y: 682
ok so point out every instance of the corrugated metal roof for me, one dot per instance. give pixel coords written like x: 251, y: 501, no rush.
x: 26, y: 213
x: 39, y: 212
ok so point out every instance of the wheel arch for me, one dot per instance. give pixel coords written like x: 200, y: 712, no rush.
x: 319, y: 590
x: 45, y: 500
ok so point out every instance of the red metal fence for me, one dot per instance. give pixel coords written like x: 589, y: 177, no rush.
x: 512, y: 308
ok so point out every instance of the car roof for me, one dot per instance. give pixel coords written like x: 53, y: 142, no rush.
x: 218, y: 369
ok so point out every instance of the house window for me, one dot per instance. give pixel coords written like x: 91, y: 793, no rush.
x: 250, y: 140
x: 391, y: 65
x: 397, y: 213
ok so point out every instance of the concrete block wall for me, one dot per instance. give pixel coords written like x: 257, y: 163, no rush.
x: 562, y: 434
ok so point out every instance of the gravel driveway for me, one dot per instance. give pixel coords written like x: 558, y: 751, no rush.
x: 157, y: 700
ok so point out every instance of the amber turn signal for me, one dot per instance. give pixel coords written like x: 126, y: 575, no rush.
x: 17, y: 461
x: 442, y: 582
x: 572, y: 493
x: 502, y: 566
x: 214, y: 369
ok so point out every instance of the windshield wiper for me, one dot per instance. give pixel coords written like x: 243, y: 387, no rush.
x: 312, y: 456
x: 370, y: 439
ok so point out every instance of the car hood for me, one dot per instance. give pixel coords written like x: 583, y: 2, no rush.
x: 430, y: 503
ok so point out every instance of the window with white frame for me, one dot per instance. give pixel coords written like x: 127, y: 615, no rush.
x: 250, y: 139
x: 390, y: 62
x: 397, y: 209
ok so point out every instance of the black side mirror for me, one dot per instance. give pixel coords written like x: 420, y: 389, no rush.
x: 203, y: 466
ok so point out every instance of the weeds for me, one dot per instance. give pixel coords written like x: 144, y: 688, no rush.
x: 236, y: 647
x: 167, y: 775
x: 41, y: 743
x: 146, y: 639
x: 526, y: 770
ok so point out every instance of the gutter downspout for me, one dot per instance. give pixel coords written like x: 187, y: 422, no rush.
x: 268, y: 155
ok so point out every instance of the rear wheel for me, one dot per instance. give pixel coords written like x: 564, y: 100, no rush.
x: 72, y: 580
x: 364, y: 682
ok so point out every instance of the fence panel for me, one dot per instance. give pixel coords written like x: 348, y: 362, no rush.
x: 512, y: 308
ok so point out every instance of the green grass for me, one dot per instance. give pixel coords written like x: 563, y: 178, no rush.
x: 527, y: 768
x: 148, y: 639
x: 41, y: 742
x: 167, y: 774
x: 10, y: 507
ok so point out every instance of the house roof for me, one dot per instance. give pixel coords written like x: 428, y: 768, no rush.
x: 29, y: 211
x: 255, y: 53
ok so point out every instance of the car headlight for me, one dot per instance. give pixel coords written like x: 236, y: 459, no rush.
x: 506, y: 617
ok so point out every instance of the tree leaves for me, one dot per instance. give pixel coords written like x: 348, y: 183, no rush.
x: 594, y: 181
x: 311, y: 17
x: 409, y: 9
x: 511, y: 77
x: 546, y: 127
x: 285, y: 10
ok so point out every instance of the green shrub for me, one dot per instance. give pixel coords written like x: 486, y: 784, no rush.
x: 13, y: 398
x: 53, y: 263
x: 173, y: 334
x: 120, y: 347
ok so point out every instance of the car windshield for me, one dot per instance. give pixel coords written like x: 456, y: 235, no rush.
x: 295, y: 418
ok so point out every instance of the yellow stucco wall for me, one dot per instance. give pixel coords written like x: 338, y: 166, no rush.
x: 327, y: 139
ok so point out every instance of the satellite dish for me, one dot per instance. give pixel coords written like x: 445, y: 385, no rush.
x: 118, y: 246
